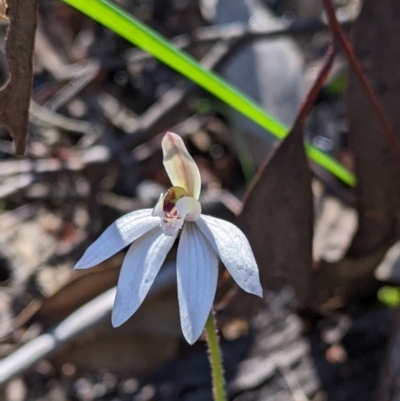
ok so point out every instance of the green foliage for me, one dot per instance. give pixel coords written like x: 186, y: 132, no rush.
x: 390, y: 296
x: 142, y: 36
x: 338, y: 83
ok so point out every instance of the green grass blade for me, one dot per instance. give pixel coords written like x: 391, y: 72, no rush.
x: 142, y: 36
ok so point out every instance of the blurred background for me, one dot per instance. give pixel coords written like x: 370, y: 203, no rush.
x: 327, y: 252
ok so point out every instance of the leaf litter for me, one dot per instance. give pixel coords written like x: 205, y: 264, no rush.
x: 85, y: 167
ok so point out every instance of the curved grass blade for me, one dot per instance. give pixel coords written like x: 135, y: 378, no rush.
x: 142, y: 36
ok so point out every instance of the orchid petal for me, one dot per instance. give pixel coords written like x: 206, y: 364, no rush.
x: 197, y: 273
x: 188, y: 208
x: 234, y: 250
x: 180, y: 166
x: 139, y: 269
x: 158, y: 208
x: 117, y: 236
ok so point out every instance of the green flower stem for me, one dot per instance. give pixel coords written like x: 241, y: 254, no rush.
x: 217, y: 371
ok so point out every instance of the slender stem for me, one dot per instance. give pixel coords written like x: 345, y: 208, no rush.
x: 217, y: 371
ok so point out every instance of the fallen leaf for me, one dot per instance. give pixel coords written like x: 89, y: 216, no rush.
x: 377, y: 170
x: 277, y: 218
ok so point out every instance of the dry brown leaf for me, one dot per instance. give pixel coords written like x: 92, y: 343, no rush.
x: 82, y: 287
x: 377, y: 170
x: 15, y: 96
x: 277, y: 218
x: 378, y: 189
x: 277, y: 214
x: 389, y: 376
x: 335, y: 284
x: 149, y: 338
x: 137, y: 353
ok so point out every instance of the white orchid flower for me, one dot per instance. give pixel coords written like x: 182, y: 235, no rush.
x: 152, y: 234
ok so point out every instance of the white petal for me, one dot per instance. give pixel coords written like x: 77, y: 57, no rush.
x: 188, y: 208
x: 197, y: 273
x: 158, y: 208
x: 180, y: 166
x: 139, y: 269
x: 117, y: 236
x: 234, y: 250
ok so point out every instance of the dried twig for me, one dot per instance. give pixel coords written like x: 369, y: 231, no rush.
x: 86, y: 75
x: 14, y: 184
x: 77, y: 323
x: 16, y: 94
x: 158, y: 117
x: 234, y: 32
x: 44, y: 116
